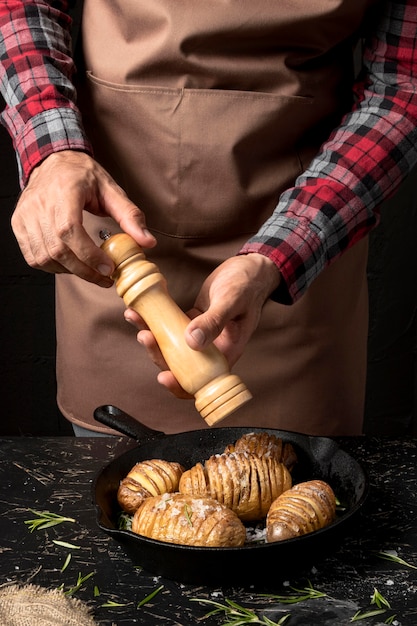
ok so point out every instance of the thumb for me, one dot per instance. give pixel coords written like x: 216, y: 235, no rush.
x: 203, y: 330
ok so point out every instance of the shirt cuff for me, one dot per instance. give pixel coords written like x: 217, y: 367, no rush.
x: 297, y: 252
x: 50, y: 131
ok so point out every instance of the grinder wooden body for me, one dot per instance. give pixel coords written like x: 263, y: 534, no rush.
x: 204, y: 374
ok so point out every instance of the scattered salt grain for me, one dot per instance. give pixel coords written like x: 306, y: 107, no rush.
x: 255, y: 534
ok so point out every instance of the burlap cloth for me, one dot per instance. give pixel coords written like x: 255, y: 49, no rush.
x: 31, y: 605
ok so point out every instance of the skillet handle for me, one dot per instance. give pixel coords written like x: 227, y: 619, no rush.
x: 124, y: 423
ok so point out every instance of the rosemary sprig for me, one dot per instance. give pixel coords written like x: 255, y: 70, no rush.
x: 396, y: 559
x: 80, y: 581
x: 339, y: 506
x: 238, y: 615
x: 150, y: 596
x: 188, y: 512
x: 359, y: 616
x: 382, y: 604
x: 379, y: 600
x: 45, y: 519
x: 307, y: 593
x: 125, y: 521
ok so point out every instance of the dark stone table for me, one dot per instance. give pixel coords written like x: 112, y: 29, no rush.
x: 56, y: 475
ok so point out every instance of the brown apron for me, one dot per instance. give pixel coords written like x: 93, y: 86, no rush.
x: 204, y: 113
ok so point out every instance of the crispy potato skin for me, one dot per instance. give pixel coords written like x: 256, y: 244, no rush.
x: 146, y: 479
x: 304, y: 508
x: 265, y: 444
x: 187, y: 520
x: 246, y: 483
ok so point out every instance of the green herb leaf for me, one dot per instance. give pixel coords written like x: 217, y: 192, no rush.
x: 238, y: 614
x: 340, y: 508
x: 125, y: 521
x: 379, y: 600
x: 188, y: 512
x: 395, y: 559
x: 150, y: 596
x: 382, y: 604
x: 80, y: 581
x: 67, y: 561
x: 307, y: 593
x: 45, y: 519
x: 358, y: 616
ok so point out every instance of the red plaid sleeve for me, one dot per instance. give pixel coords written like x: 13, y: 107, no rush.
x: 36, y: 71
x: 335, y: 202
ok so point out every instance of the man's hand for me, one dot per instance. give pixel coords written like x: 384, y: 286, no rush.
x: 226, y: 312
x: 48, y: 219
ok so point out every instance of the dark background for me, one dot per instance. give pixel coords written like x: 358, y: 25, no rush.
x: 27, y: 327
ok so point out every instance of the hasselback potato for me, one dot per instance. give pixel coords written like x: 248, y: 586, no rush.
x: 246, y: 483
x: 187, y: 520
x: 146, y: 479
x: 265, y: 444
x: 302, y: 509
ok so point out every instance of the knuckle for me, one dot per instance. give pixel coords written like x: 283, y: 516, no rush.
x: 65, y: 231
x: 215, y: 324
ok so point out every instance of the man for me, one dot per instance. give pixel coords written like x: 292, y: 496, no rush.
x: 207, y: 116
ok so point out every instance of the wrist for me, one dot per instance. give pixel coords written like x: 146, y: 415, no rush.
x: 269, y: 272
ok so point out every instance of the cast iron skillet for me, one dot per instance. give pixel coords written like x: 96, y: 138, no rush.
x: 252, y: 565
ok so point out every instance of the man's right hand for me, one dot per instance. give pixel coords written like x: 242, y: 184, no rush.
x: 48, y: 219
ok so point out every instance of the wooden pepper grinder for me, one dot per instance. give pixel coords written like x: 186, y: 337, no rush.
x: 204, y: 374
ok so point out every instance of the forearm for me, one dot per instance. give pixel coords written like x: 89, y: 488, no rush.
x: 335, y: 202
x: 36, y: 72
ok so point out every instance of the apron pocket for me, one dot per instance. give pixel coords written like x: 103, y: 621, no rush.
x: 199, y: 162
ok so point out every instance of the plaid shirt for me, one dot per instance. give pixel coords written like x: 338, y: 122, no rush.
x: 331, y: 206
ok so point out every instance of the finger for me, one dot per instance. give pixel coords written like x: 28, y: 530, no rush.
x: 77, y: 253
x: 130, y: 218
x: 148, y: 341
x: 168, y: 380
x: 135, y: 319
x: 52, y: 254
x: 165, y: 377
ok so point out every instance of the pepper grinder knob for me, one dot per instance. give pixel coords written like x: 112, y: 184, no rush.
x: 204, y: 374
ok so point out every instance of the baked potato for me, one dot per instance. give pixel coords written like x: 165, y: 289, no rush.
x: 265, y: 444
x: 306, y: 507
x: 187, y: 520
x: 246, y: 483
x: 146, y: 479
